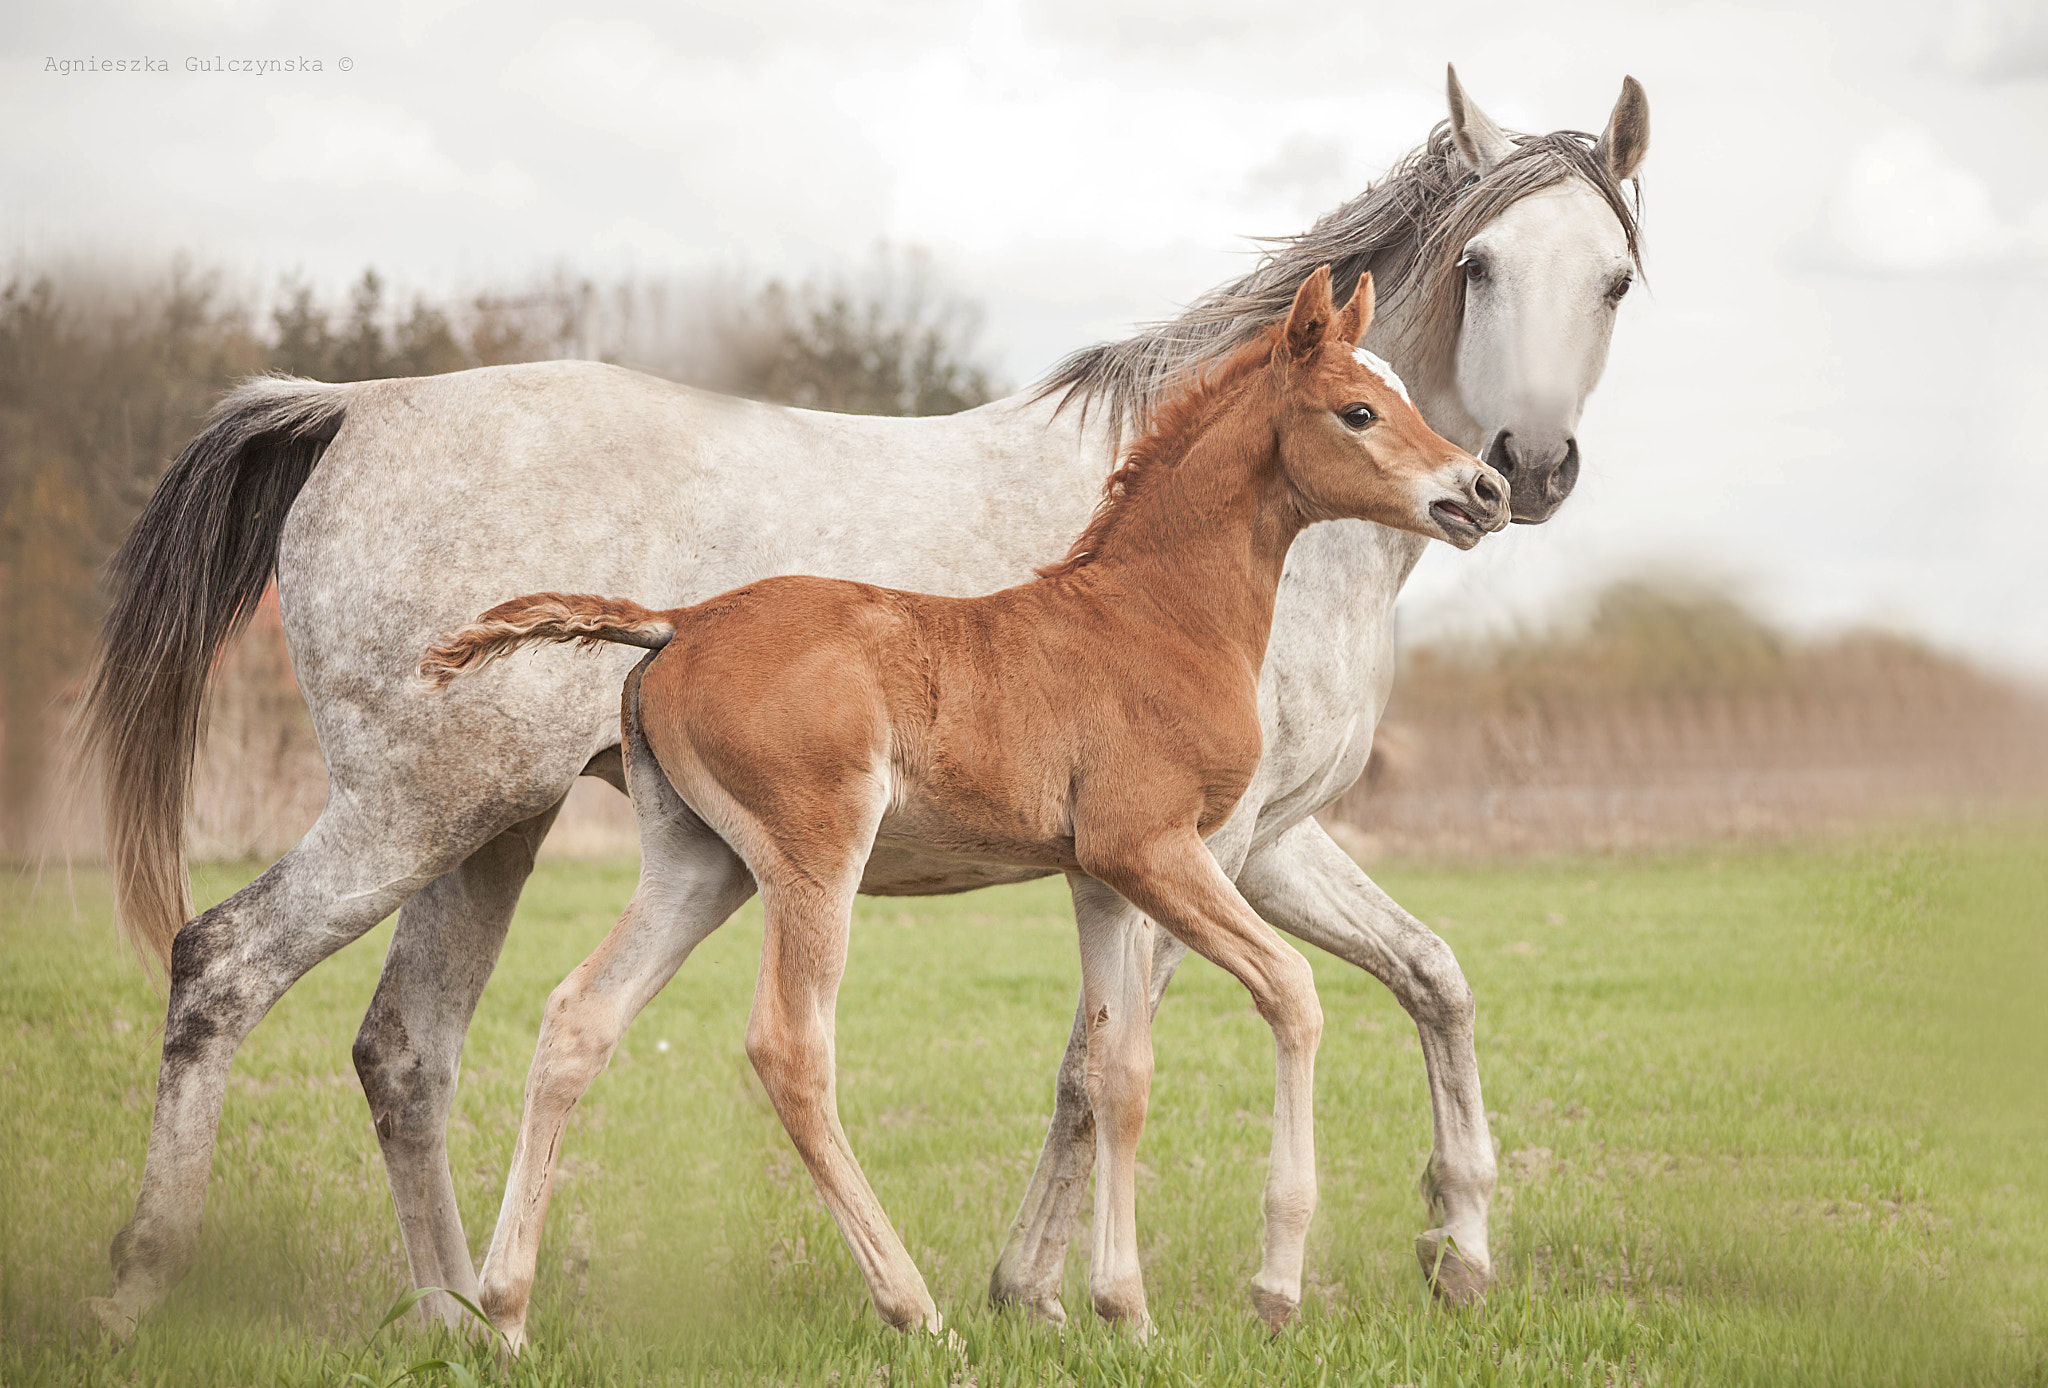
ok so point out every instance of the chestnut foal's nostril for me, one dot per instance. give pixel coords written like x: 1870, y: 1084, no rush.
x: 1485, y: 489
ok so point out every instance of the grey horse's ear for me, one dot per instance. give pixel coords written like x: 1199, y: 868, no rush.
x: 1627, y: 137
x: 1478, y: 139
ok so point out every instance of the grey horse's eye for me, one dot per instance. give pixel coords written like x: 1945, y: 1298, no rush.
x: 1620, y: 288
x: 1474, y: 266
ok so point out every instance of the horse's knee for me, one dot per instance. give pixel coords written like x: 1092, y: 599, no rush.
x: 1439, y: 997
x: 578, y: 1034
x: 214, y: 996
x: 1070, y: 1087
x: 1289, y: 1001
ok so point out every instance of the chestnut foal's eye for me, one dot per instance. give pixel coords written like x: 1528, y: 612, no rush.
x: 1357, y: 416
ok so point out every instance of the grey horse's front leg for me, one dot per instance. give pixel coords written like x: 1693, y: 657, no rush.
x: 1305, y: 884
x: 409, y: 1050
x: 1034, y: 1255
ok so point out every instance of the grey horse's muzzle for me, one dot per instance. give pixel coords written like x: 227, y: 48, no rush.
x: 1539, y: 478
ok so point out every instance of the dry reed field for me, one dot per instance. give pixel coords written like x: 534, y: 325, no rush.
x: 1673, y: 717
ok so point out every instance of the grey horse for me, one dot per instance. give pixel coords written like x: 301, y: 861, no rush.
x: 390, y: 512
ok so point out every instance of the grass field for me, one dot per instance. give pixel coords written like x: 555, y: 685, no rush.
x: 1771, y: 1117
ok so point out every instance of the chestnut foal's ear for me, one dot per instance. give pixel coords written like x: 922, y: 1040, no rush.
x: 1356, y: 316
x: 1309, y: 321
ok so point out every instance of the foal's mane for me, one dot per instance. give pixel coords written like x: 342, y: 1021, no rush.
x: 1175, y: 425
x: 1409, y: 229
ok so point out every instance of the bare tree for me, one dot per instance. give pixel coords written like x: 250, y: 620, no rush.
x: 890, y: 340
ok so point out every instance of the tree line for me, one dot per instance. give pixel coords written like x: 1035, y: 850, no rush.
x: 104, y: 377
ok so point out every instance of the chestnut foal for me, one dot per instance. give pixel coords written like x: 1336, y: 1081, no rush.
x: 1098, y: 721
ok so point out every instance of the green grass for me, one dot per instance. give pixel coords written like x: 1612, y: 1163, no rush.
x: 1771, y: 1117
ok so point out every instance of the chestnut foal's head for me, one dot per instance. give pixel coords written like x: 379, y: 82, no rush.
x: 1353, y: 444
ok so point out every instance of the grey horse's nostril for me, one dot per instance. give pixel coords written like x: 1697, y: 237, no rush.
x: 1566, y: 474
x: 1499, y: 456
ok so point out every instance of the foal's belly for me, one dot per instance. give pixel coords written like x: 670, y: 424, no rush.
x: 894, y: 870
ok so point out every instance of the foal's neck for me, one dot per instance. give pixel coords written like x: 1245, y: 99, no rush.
x: 1203, y: 541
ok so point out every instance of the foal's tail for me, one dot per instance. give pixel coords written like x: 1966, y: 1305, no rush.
x: 578, y: 617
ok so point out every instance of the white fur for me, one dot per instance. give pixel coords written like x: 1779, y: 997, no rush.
x: 1382, y: 368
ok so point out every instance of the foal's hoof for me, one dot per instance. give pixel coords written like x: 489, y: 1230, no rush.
x: 1044, y: 1307
x: 1123, y: 1308
x: 1276, y: 1309
x: 1455, y: 1281
x: 114, y: 1322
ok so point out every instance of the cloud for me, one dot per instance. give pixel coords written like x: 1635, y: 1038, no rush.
x: 1998, y: 40
x: 350, y: 144
x: 1903, y: 208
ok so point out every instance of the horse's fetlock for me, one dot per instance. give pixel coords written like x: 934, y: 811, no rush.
x: 503, y: 1302
x: 145, y: 1249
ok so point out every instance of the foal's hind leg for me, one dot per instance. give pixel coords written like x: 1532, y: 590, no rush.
x: 807, y: 891
x: 690, y: 883
x: 409, y: 1050
x: 790, y: 1041
x: 1174, y: 880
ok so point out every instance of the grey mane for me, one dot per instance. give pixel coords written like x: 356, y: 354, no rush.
x: 1408, y: 229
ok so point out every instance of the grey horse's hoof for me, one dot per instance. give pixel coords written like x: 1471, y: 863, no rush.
x: 1276, y: 1309
x: 1045, y: 1308
x: 1455, y: 1281
x: 114, y: 1322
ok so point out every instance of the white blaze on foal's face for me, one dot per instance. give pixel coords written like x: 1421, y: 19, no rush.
x: 1382, y: 368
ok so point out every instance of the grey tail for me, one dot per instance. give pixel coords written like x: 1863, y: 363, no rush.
x: 185, y: 582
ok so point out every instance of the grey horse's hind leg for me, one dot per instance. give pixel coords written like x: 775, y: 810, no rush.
x: 409, y: 1050
x: 229, y: 965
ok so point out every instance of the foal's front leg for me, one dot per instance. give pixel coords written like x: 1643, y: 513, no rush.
x: 1309, y: 887
x: 1034, y: 1255
x: 1116, y: 1003
x: 1174, y: 880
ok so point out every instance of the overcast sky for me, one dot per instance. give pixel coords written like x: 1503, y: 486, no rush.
x: 1827, y: 395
